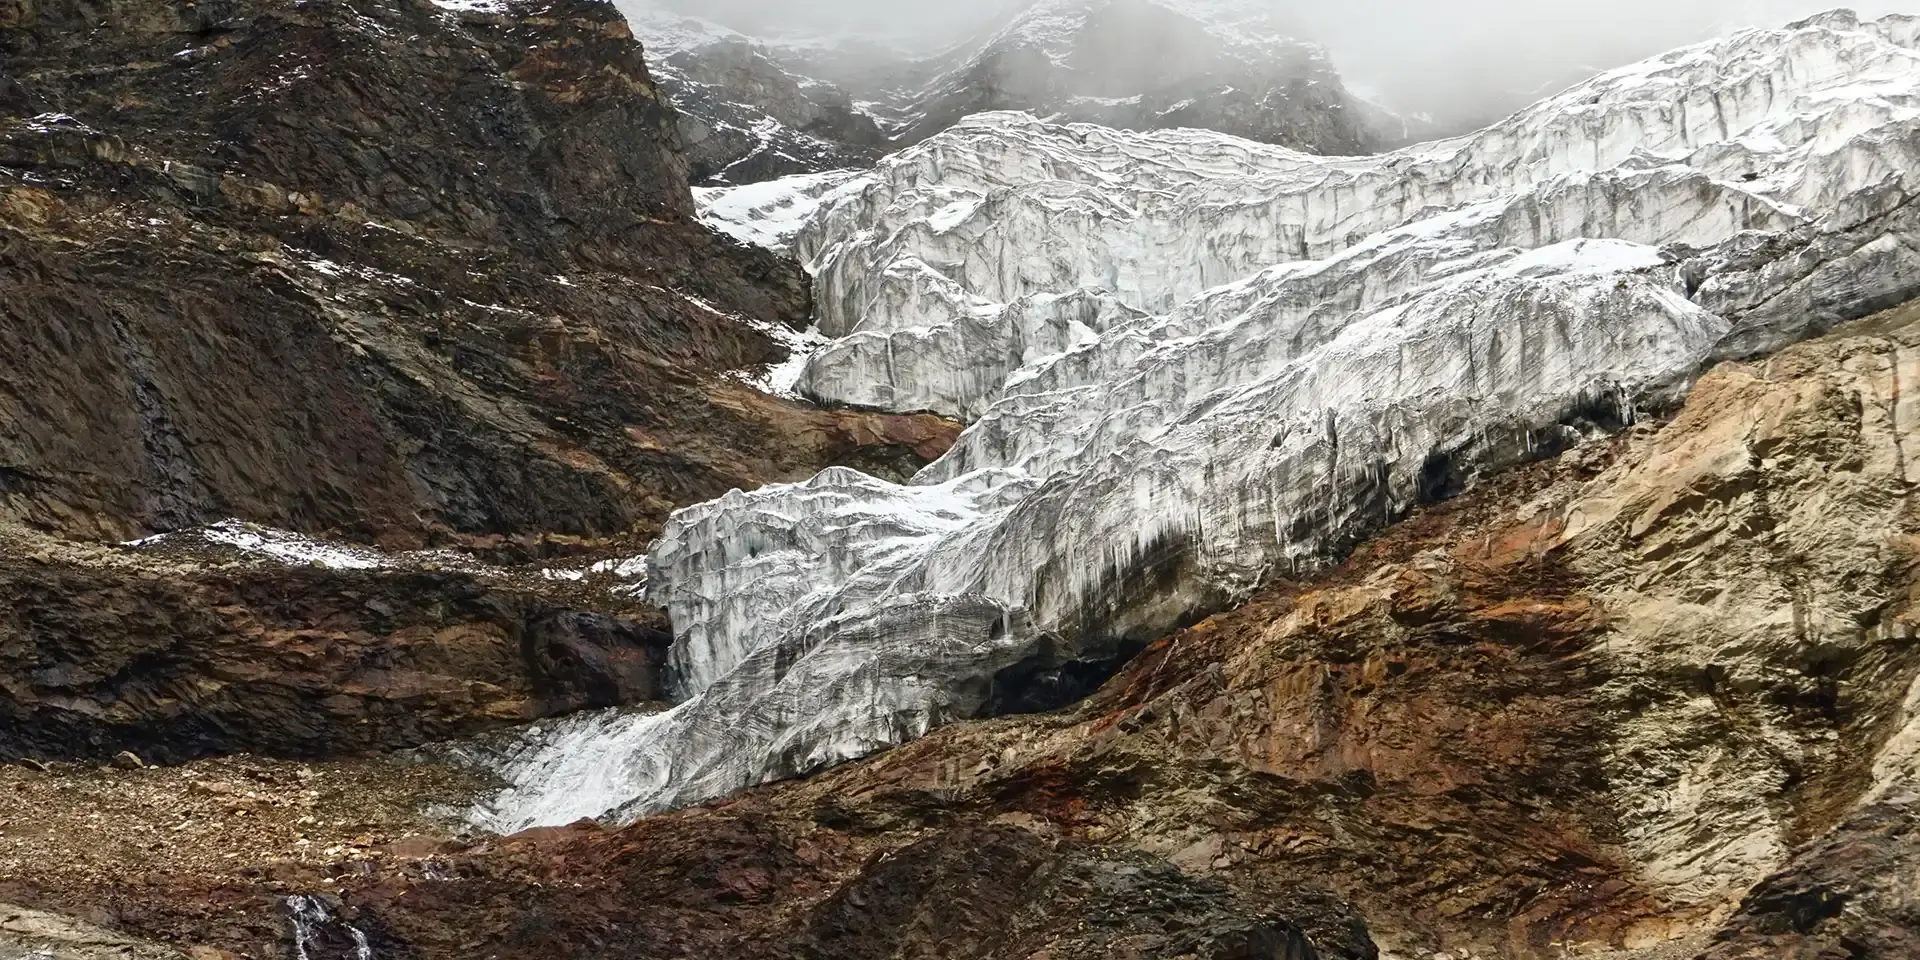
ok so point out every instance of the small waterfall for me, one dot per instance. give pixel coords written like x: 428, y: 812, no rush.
x: 307, y: 914
x: 311, y: 919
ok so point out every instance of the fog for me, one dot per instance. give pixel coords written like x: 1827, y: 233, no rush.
x: 1456, y: 59
x: 1476, y: 57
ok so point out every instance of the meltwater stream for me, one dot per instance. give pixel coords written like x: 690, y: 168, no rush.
x: 311, y: 922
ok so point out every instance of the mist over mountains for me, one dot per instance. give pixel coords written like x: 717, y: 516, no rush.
x: 1461, y: 62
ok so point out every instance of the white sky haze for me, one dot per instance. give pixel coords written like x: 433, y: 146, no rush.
x: 1455, y: 58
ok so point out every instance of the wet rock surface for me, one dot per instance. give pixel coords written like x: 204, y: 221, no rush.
x: 1840, y: 896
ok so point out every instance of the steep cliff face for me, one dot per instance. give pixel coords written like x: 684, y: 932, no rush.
x: 745, y: 114
x: 35, y: 933
x: 1149, y: 65
x: 402, y: 273
x: 761, y: 108
x: 395, y: 270
x: 171, y: 654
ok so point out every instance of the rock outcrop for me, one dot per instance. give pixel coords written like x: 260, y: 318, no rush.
x: 1194, y: 363
x: 37, y: 935
x: 397, y: 271
x: 744, y: 115
x: 1148, y: 65
x: 171, y: 656
x: 1648, y: 700
x: 755, y: 109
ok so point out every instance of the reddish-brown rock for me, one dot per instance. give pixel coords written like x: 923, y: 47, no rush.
x: 1655, y: 699
x: 172, y: 657
x: 375, y: 269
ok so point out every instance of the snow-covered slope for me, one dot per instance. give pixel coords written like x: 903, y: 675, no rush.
x: 1193, y: 362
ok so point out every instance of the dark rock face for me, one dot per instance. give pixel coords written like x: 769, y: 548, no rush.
x: 380, y: 270
x: 1006, y: 892
x: 1848, y: 894
x: 753, y: 112
x: 1137, y: 65
x: 374, y: 269
x: 172, y: 663
x: 752, y: 886
x: 745, y: 118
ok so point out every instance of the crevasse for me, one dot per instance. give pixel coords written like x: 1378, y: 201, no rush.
x: 1192, y: 362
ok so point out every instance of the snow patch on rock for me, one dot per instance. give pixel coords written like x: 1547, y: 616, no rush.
x: 283, y: 546
x: 772, y: 213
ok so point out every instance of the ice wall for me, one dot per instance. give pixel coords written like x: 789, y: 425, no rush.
x: 1193, y: 362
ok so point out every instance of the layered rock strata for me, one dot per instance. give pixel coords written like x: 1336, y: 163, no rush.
x: 1648, y: 700
x: 166, y: 655
x: 396, y: 271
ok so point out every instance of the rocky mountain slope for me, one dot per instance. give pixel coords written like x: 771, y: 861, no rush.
x: 397, y: 273
x: 746, y: 114
x: 402, y: 274
x: 1495, y: 549
x: 493, y: 311
x: 757, y: 109
x: 1650, y: 699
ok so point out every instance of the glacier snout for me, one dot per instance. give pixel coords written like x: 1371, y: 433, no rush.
x: 1192, y: 363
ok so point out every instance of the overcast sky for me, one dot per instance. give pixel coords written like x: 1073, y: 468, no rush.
x: 1422, y: 53
x: 1443, y: 55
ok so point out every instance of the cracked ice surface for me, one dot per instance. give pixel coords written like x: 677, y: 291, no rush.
x: 1192, y: 362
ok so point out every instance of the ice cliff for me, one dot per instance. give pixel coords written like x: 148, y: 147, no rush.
x: 1192, y: 363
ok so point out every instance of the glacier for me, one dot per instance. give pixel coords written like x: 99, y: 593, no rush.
x: 1192, y: 363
